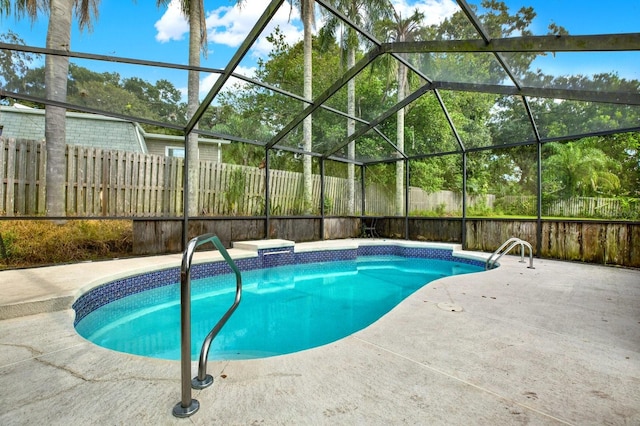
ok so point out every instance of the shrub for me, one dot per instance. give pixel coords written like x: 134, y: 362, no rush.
x: 41, y: 242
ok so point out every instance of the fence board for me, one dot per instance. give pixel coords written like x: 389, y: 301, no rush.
x: 133, y: 182
x: 135, y: 172
x: 214, y: 201
x: 203, y: 187
x: 179, y: 188
x: 87, y: 178
x: 83, y: 187
x: 209, y: 200
x: 86, y: 183
x: 144, y: 174
x: 280, y: 178
x: 248, y: 193
x: 21, y: 157
x: 76, y: 185
x: 10, y: 178
x: 94, y: 198
x: 119, y: 178
x: 111, y: 179
x: 156, y: 180
x: 212, y: 186
x: 31, y: 178
x: 82, y: 172
x: 42, y: 174
x: 146, y: 187
x: 126, y: 183
x: 175, y: 198
x: 285, y: 196
x: 224, y: 198
x: 274, y: 179
x: 139, y: 168
x: 260, y: 202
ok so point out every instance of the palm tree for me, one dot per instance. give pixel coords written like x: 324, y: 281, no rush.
x: 401, y: 29
x: 364, y: 14
x: 308, y: 20
x: 307, y: 13
x: 5, y: 7
x: 193, y: 11
x: 575, y: 169
x: 56, y: 75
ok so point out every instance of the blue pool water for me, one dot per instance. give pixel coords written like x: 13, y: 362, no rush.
x: 283, y: 309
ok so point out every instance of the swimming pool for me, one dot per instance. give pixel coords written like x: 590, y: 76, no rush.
x: 285, y: 308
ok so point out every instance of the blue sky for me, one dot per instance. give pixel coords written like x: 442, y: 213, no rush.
x: 140, y: 30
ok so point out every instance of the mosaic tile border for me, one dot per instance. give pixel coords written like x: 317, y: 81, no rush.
x: 267, y: 258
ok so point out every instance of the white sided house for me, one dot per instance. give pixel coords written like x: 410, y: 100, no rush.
x: 102, y: 132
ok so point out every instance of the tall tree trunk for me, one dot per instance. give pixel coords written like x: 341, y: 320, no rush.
x: 307, y: 19
x: 351, y: 128
x: 193, y: 101
x: 56, y: 74
x: 402, y: 82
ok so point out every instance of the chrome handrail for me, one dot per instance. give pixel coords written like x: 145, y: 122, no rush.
x: 501, y: 251
x: 188, y: 406
x: 203, y: 379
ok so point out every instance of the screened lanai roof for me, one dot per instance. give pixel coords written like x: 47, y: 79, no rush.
x: 527, y: 80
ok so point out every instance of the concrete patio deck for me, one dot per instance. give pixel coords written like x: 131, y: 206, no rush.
x: 558, y: 344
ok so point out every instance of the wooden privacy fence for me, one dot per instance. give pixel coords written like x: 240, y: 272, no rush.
x: 22, y: 167
x: 99, y: 183
x: 444, y: 201
x: 584, y: 207
x: 119, y: 183
x: 228, y: 189
x: 592, y: 207
x: 130, y: 184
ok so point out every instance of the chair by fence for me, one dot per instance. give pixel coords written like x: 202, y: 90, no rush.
x: 369, y: 227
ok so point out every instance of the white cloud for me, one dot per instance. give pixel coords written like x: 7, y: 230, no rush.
x: 207, y: 83
x: 435, y: 11
x: 172, y: 25
x: 229, y: 25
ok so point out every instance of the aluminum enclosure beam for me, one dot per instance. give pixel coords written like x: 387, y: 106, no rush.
x: 524, y: 44
x: 351, y: 73
x: 253, y: 35
x: 397, y: 107
x: 624, y: 98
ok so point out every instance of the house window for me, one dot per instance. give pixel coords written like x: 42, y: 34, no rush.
x: 174, y: 151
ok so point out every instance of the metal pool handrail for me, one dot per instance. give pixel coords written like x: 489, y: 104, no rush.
x: 188, y: 406
x: 501, y: 251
